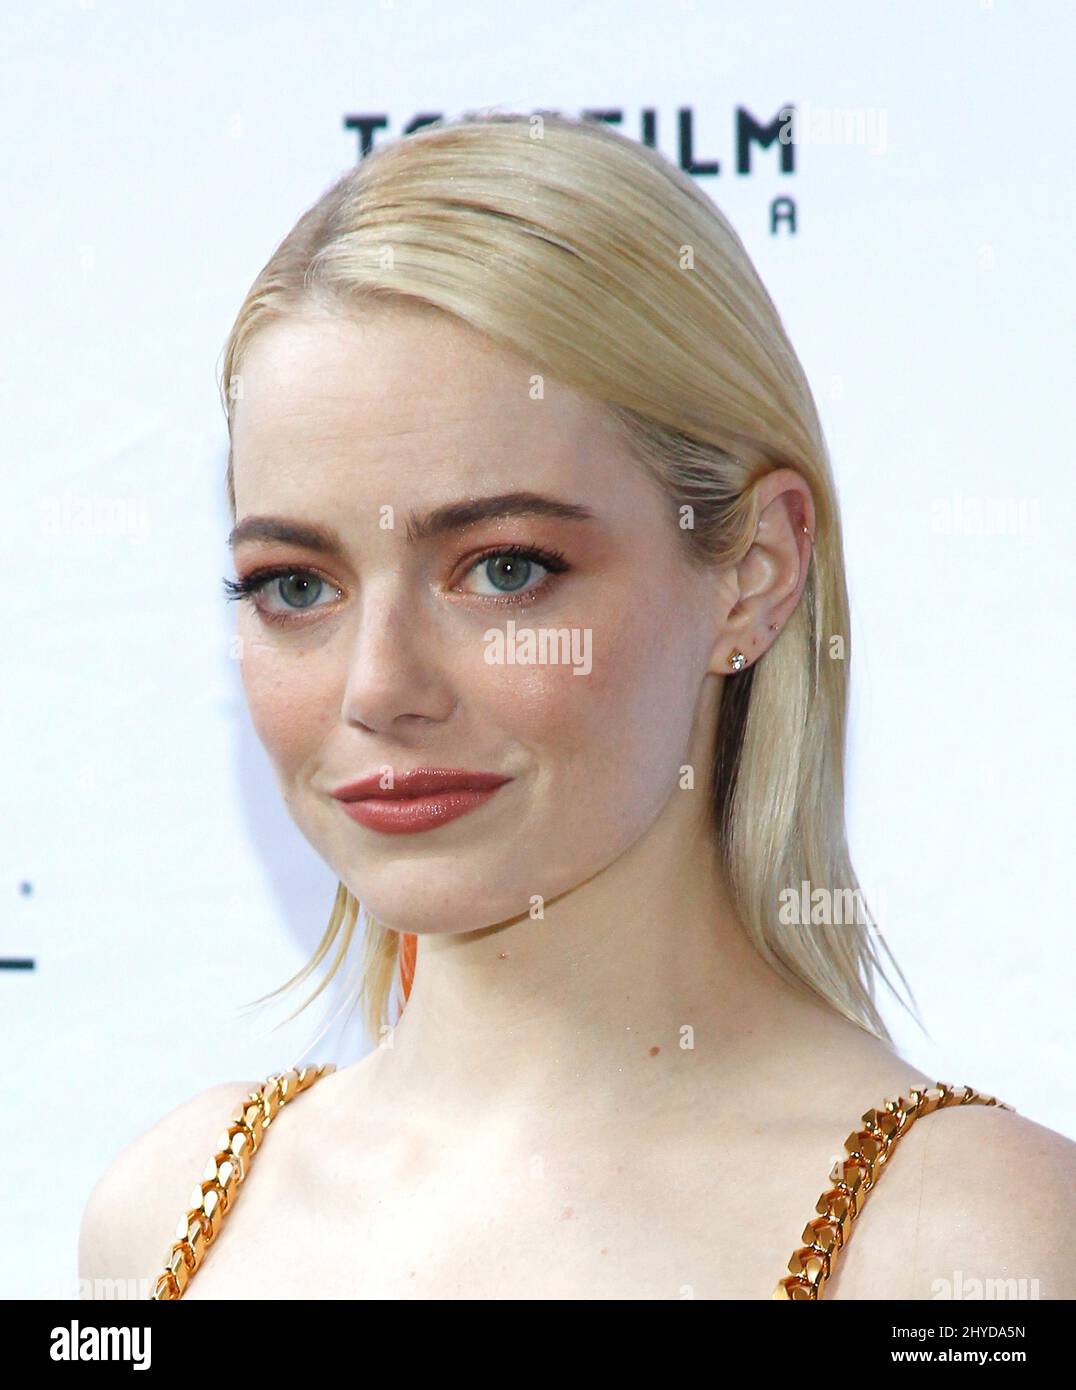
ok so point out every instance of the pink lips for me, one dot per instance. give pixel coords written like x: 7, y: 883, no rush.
x: 419, y: 800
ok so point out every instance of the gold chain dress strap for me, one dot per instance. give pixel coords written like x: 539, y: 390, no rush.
x: 213, y: 1196
x: 854, y: 1177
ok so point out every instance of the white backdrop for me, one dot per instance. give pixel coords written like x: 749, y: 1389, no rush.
x: 154, y: 155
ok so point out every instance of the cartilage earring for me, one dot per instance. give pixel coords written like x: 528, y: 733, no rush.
x: 737, y: 660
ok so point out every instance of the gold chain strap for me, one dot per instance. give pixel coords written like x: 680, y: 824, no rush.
x: 225, y: 1171
x: 854, y: 1177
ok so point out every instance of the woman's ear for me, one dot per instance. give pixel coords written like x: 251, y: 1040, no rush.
x: 767, y: 583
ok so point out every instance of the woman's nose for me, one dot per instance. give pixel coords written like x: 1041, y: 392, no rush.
x: 394, y: 668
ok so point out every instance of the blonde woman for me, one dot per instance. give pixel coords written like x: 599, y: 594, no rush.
x: 545, y: 632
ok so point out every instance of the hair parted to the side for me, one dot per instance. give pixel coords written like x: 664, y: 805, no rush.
x: 601, y: 262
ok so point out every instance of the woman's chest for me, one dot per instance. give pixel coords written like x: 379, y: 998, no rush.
x: 535, y: 1227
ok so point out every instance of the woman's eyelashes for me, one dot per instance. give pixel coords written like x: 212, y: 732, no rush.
x: 298, y: 590
x: 507, y: 574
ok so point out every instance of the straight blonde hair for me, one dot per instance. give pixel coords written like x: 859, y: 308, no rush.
x: 601, y: 262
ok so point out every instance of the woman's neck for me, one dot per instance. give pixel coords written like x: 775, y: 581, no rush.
x: 633, y: 993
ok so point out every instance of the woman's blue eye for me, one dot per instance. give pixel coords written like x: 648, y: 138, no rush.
x: 517, y: 569
x: 298, y: 590
x: 510, y: 572
x: 510, y: 575
x: 507, y: 573
x: 280, y: 593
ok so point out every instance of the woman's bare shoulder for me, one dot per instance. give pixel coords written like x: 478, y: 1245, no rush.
x: 997, y: 1213
x: 975, y: 1203
x: 130, y: 1218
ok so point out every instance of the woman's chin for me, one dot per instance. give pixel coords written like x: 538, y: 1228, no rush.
x: 442, y: 914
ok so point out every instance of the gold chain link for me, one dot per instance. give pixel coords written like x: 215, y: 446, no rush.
x: 223, y: 1174
x: 854, y: 1177
x: 868, y: 1150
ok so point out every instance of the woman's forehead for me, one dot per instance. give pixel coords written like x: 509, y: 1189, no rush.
x: 360, y: 355
x: 410, y: 392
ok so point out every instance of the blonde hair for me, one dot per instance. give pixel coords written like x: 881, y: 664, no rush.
x: 598, y: 260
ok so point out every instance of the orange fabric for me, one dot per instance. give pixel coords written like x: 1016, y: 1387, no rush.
x: 408, y: 954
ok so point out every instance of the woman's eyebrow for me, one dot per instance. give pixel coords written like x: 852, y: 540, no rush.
x: 279, y: 528
x: 453, y: 516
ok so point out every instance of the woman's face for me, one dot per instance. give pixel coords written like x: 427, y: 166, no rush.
x: 377, y: 647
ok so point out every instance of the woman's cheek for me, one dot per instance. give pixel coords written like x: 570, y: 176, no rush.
x: 569, y: 711
x: 640, y: 677
x: 533, y: 702
x: 288, y: 698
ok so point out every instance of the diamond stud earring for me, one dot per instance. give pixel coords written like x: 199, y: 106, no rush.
x: 737, y: 660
